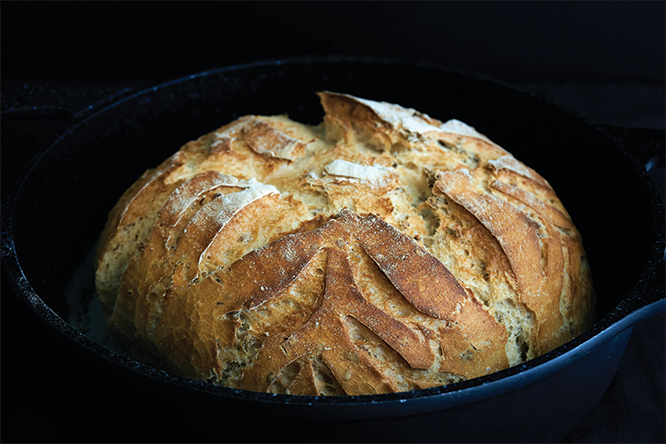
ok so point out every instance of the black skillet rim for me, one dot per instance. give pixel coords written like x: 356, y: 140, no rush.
x: 634, y: 307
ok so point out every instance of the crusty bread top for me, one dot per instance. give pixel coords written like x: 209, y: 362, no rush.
x: 380, y: 251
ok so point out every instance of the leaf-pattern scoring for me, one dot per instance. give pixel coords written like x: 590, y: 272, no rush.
x: 172, y: 311
x: 264, y: 273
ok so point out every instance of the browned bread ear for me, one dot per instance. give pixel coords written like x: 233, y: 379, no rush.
x: 381, y: 251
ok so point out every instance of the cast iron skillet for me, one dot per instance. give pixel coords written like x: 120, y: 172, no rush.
x: 606, y: 190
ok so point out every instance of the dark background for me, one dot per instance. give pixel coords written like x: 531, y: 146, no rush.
x: 596, y: 56
x: 616, y: 41
x: 604, y: 61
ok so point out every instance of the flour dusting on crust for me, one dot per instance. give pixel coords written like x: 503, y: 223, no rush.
x: 380, y: 251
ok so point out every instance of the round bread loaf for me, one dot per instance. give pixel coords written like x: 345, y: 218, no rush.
x: 380, y: 251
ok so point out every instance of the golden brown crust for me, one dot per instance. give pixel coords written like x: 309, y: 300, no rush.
x: 264, y: 139
x: 129, y: 223
x: 382, y: 251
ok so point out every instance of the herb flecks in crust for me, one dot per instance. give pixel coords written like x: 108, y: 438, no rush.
x: 380, y: 251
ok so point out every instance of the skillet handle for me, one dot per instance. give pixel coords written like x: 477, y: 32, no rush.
x: 67, y: 103
x: 35, y: 114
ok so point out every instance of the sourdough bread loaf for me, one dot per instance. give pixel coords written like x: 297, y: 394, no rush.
x: 380, y: 251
